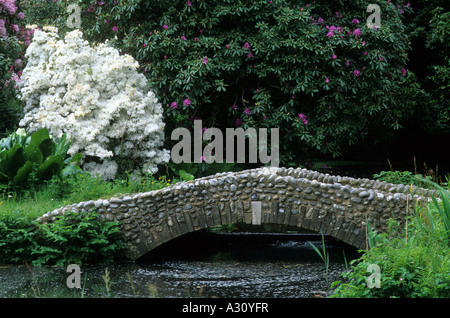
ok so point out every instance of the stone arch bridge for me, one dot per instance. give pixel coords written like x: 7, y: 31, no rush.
x: 332, y: 205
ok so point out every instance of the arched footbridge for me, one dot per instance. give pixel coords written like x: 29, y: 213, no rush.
x: 332, y: 205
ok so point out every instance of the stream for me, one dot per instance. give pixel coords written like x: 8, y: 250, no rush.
x: 233, y: 265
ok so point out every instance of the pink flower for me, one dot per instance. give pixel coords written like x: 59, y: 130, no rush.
x: 330, y: 34
x: 202, y: 158
x: 205, y: 60
x: 189, y: 3
x: 201, y: 31
x: 303, y: 118
x: 246, y: 45
x: 187, y: 102
x: 165, y: 57
x: 239, y: 122
x: 356, y: 73
x: 247, y: 111
x: 174, y: 105
x: 114, y: 29
x: 357, y: 32
x: 15, y: 27
x: 183, y: 37
x: 404, y: 72
x: 227, y: 46
x: 165, y: 26
x: 363, y: 43
x: 365, y: 53
x: 234, y: 107
x: 21, y: 15
x: 334, y: 56
x: 327, y: 80
x: 250, y: 55
x: 355, y: 21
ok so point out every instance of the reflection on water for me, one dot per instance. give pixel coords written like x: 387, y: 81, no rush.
x: 277, y: 269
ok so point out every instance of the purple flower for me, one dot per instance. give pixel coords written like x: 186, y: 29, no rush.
x: 250, y: 55
x: 189, y: 3
x: 239, y: 122
x: 320, y: 20
x: 365, y: 53
x: 183, y: 37
x: 187, y: 102
x: 9, y: 5
x: 334, y: 56
x: 234, y: 107
x: 205, y: 60
x: 227, y: 46
x: 114, y: 29
x: 165, y: 26
x: 247, y: 111
x: 202, y: 158
x: 404, y: 72
x: 357, y: 32
x: 304, y: 118
x: 21, y: 15
x: 356, y: 73
x: 174, y: 105
x: 15, y: 27
x: 330, y: 34
x: 246, y: 45
x: 355, y: 21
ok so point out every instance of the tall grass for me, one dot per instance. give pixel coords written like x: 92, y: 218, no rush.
x: 324, y: 256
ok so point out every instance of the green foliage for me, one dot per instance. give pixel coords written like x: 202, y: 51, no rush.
x: 36, y: 157
x: 403, y: 177
x: 414, y: 262
x: 71, y: 238
x: 12, y: 50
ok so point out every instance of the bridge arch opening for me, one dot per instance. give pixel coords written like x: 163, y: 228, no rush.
x: 250, y: 243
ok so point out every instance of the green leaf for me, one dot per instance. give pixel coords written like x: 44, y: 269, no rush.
x: 34, y: 150
x: 51, y: 166
x: 23, y: 173
x: 13, y: 161
x: 69, y: 170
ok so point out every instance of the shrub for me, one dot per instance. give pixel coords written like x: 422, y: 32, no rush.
x: 13, y: 42
x: 314, y: 70
x: 72, y: 238
x: 414, y: 262
x: 96, y: 97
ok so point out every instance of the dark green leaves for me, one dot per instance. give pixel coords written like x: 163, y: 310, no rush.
x: 22, y: 155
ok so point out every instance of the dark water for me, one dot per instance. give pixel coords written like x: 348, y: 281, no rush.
x: 279, y: 266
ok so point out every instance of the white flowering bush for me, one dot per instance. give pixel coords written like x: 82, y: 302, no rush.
x: 95, y: 96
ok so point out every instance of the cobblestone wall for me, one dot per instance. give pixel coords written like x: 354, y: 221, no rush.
x: 332, y: 205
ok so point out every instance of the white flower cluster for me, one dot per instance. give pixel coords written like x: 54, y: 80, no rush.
x: 95, y: 96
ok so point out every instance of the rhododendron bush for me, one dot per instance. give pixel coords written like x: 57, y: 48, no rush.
x: 97, y: 97
x: 312, y: 68
x: 13, y: 42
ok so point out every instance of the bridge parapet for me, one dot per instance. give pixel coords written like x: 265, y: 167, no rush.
x: 332, y: 205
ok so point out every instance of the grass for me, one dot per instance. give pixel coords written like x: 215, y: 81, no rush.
x: 36, y: 201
